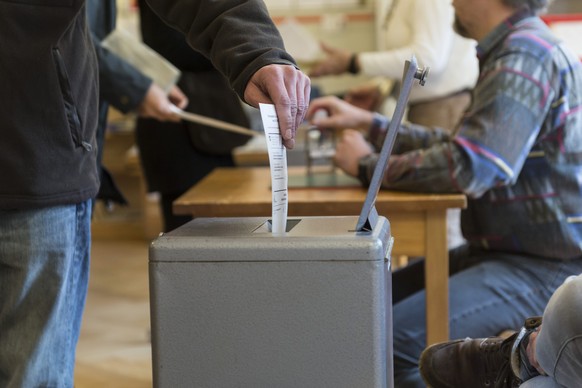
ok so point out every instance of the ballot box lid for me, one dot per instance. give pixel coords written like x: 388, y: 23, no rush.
x: 412, y: 73
x: 249, y: 239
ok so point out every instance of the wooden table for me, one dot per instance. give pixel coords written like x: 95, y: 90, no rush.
x: 418, y: 221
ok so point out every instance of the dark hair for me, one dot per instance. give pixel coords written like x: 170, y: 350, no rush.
x: 535, y: 5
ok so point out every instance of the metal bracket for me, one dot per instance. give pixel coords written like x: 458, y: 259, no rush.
x: 369, y: 216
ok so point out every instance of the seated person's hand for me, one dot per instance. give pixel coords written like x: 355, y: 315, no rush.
x: 336, y: 62
x: 340, y: 114
x: 366, y: 96
x: 350, y: 148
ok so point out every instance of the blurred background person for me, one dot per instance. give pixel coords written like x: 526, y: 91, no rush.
x: 176, y: 155
x: 124, y: 87
x: 422, y: 28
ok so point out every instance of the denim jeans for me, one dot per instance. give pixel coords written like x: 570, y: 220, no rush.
x: 542, y: 382
x: 44, y: 266
x: 559, y: 343
x: 488, y: 292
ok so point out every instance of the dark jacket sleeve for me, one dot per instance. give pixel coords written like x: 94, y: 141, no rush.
x: 120, y: 84
x: 238, y: 36
x: 170, y: 43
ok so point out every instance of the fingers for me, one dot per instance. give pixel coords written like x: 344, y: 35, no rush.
x: 365, y: 98
x: 285, y: 95
x: 326, y: 48
x: 349, y: 150
x: 336, y: 62
x: 334, y: 109
x: 156, y: 105
x: 178, y: 98
x: 288, y: 89
x: 297, y: 109
x: 326, y: 103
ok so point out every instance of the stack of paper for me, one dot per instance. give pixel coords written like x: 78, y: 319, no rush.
x: 143, y: 58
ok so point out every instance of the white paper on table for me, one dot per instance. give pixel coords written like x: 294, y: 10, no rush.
x: 299, y: 42
x: 278, y: 165
x: 147, y: 61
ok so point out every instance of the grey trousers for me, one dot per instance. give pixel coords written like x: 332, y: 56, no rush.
x: 559, y: 343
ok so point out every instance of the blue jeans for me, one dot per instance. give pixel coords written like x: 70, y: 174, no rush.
x: 541, y: 382
x: 44, y: 267
x: 488, y: 292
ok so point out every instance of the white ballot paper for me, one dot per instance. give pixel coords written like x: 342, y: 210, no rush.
x: 278, y: 163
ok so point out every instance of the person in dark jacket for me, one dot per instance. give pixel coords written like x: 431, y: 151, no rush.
x: 124, y: 87
x: 175, y: 156
x: 48, y: 154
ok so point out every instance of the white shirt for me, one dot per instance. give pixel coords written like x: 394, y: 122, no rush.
x: 423, y: 28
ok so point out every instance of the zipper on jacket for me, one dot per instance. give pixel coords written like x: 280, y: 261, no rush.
x: 70, y: 109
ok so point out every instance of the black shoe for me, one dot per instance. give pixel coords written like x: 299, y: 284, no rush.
x: 469, y: 363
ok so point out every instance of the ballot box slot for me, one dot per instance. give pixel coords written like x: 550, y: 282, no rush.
x: 291, y: 223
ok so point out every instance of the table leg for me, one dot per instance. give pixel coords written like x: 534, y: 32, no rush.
x: 437, y: 277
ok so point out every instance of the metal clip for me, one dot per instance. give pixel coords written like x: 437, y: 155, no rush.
x: 421, y: 75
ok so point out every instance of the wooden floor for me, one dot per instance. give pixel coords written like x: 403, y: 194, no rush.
x: 114, y: 349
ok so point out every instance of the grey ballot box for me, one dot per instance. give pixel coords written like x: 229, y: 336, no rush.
x: 233, y: 305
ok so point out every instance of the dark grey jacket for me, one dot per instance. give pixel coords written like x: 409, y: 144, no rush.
x: 49, y: 93
x: 237, y: 51
x: 48, y: 100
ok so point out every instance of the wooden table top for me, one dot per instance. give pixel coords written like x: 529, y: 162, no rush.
x: 245, y: 192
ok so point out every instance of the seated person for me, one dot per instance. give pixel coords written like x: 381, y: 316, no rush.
x: 517, y: 155
x: 421, y: 28
x: 544, y: 353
